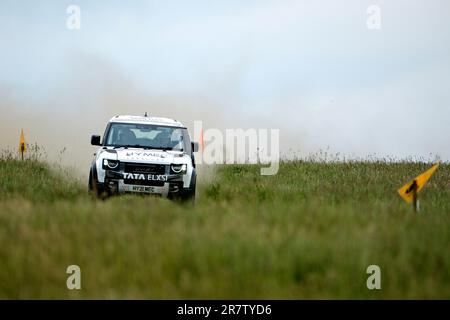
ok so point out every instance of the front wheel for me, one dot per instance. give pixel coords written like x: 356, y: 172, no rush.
x: 189, y: 195
x: 95, y: 189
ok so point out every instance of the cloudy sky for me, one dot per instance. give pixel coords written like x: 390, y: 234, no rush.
x: 313, y: 69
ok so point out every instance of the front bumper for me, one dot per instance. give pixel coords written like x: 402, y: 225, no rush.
x: 115, y: 183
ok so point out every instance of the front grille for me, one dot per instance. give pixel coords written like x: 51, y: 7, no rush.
x: 145, y: 168
x: 149, y: 183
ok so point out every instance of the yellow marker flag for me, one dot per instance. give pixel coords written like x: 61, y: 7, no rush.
x: 407, y: 191
x: 22, y: 144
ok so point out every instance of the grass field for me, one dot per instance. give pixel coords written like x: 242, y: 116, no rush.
x: 308, y: 232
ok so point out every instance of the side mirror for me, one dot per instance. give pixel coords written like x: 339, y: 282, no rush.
x: 194, y: 146
x: 95, y: 140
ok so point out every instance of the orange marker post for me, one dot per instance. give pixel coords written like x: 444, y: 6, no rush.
x: 202, y: 142
x: 22, y: 144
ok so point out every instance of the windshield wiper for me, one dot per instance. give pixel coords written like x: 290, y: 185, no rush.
x: 131, y: 146
x: 125, y: 146
x: 161, y: 148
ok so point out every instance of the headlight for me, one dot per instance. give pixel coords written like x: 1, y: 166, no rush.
x: 110, y: 164
x: 178, y: 168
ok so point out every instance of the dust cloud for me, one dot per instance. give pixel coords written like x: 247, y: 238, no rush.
x: 61, y: 120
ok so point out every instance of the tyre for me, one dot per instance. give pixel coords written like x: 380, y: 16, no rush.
x: 189, y: 194
x: 95, y: 188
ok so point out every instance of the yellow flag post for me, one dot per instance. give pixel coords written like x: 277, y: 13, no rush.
x: 22, y: 144
x: 409, y: 192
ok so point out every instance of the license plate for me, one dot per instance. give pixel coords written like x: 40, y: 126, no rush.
x: 146, y: 189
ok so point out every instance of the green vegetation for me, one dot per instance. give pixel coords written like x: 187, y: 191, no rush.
x: 308, y: 232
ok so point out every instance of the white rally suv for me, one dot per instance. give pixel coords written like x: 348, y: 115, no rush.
x: 149, y: 155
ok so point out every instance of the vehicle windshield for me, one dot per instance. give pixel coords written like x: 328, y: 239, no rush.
x: 145, y: 136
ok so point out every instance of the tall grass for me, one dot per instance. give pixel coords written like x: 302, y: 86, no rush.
x: 35, y: 180
x: 308, y: 232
